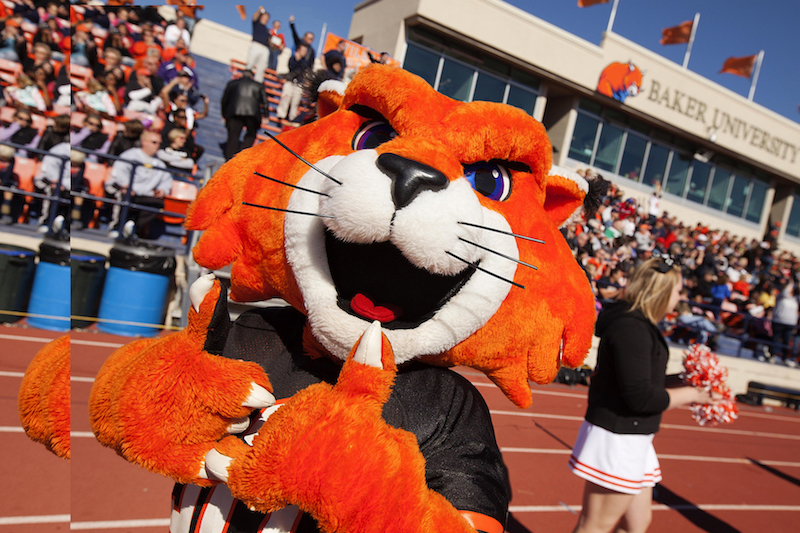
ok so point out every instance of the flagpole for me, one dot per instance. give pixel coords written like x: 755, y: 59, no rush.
x: 755, y: 75
x: 691, y: 40
x: 612, y: 16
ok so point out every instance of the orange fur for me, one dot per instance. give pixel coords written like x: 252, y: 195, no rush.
x: 44, y: 397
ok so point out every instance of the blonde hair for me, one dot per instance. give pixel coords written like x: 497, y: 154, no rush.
x: 649, y: 290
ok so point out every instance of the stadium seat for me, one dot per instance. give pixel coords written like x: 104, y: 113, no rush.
x: 7, y: 114
x: 26, y: 169
x: 178, y: 200
x: 95, y: 174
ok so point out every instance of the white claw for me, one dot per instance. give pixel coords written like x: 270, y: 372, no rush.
x: 217, y: 465
x: 239, y: 425
x: 203, y: 473
x: 369, y: 347
x: 259, y: 397
x: 199, y: 289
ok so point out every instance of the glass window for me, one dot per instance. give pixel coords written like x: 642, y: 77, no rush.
x: 793, y: 225
x: 699, y: 183
x: 456, y: 81
x: 489, y: 89
x: 583, y: 138
x: 738, y: 196
x: 521, y: 98
x: 632, y: 157
x: 756, y: 204
x: 656, y: 164
x: 608, y: 148
x: 678, y: 172
x: 422, y: 63
x: 719, y: 189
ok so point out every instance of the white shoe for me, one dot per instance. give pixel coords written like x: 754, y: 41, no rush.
x: 128, y: 229
x: 791, y: 363
x: 42, y: 229
x: 113, y: 234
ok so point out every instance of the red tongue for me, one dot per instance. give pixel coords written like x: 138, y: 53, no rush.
x: 366, y: 308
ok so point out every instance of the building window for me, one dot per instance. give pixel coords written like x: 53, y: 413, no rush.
x: 422, y: 63
x: 755, y: 206
x: 489, y: 89
x: 583, y: 136
x: 793, y: 225
x: 460, y: 79
x: 678, y: 172
x: 656, y: 165
x: 719, y: 189
x: 699, y: 182
x: 633, y: 157
x: 738, y: 196
x: 608, y: 148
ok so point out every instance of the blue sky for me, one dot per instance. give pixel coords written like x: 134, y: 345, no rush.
x: 727, y: 28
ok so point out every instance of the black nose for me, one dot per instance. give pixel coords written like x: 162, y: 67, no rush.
x: 410, y: 178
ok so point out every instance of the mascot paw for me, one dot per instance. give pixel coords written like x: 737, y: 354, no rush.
x: 328, y: 449
x: 164, y: 403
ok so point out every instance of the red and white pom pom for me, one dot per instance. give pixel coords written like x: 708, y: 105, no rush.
x: 703, y: 369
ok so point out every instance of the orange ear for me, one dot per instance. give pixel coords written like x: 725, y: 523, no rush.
x: 564, y: 195
x: 330, y: 97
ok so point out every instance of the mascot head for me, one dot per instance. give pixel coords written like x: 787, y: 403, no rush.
x: 436, y: 217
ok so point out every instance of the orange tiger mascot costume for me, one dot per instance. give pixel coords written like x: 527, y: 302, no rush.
x: 408, y: 232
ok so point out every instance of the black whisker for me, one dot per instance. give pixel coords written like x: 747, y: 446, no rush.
x: 290, y: 185
x: 271, y: 136
x: 504, y: 256
x: 503, y: 232
x: 473, y: 265
x: 287, y: 210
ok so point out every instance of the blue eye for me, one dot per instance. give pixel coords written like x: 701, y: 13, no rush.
x: 491, y: 179
x: 373, y: 134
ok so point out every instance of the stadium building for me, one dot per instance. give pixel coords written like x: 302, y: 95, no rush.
x: 722, y: 160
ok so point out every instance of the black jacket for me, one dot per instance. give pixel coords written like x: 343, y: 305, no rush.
x: 244, y: 97
x: 627, y: 393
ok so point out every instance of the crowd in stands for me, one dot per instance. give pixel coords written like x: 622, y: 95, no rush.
x: 130, y: 72
x: 746, y: 289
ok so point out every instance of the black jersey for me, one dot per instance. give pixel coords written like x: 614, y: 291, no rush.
x: 444, y: 411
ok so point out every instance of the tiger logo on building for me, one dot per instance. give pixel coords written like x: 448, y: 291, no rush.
x: 620, y: 80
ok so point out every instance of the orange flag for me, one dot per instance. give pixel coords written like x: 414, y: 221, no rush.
x: 242, y: 12
x: 677, y: 34
x: 741, y: 66
x: 589, y: 3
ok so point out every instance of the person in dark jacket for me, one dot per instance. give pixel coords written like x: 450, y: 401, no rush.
x: 614, y: 450
x: 244, y: 102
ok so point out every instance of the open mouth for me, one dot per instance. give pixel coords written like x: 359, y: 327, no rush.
x: 375, y: 282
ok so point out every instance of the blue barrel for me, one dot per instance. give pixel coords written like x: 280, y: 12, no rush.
x: 17, y: 268
x: 49, y: 305
x: 135, y: 290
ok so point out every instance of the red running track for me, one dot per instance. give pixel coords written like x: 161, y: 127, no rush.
x: 741, y: 477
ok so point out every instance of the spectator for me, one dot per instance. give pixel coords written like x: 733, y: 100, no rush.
x: 20, y: 131
x: 54, y: 181
x: 244, y: 103
x: 654, y: 204
x: 42, y: 59
x: 169, y: 70
x: 182, y: 84
x: 173, y: 154
x: 176, y: 31
x: 12, y: 42
x: 91, y: 136
x: 30, y: 93
x: 113, y: 65
x: 292, y: 91
x: 277, y: 43
x: 144, y: 88
x: 128, y: 138
x: 148, y: 183
x: 83, y: 50
x: 334, y: 60
x: 258, y: 54
x: 179, y: 121
x: 146, y: 43
x: 56, y: 134
x: 12, y: 204
x: 180, y: 102
x: 103, y: 100
x: 611, y: 288
x: 116, y: 41
x: 784, y: 323
x: 308, y: 40
x: 51, y: 35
